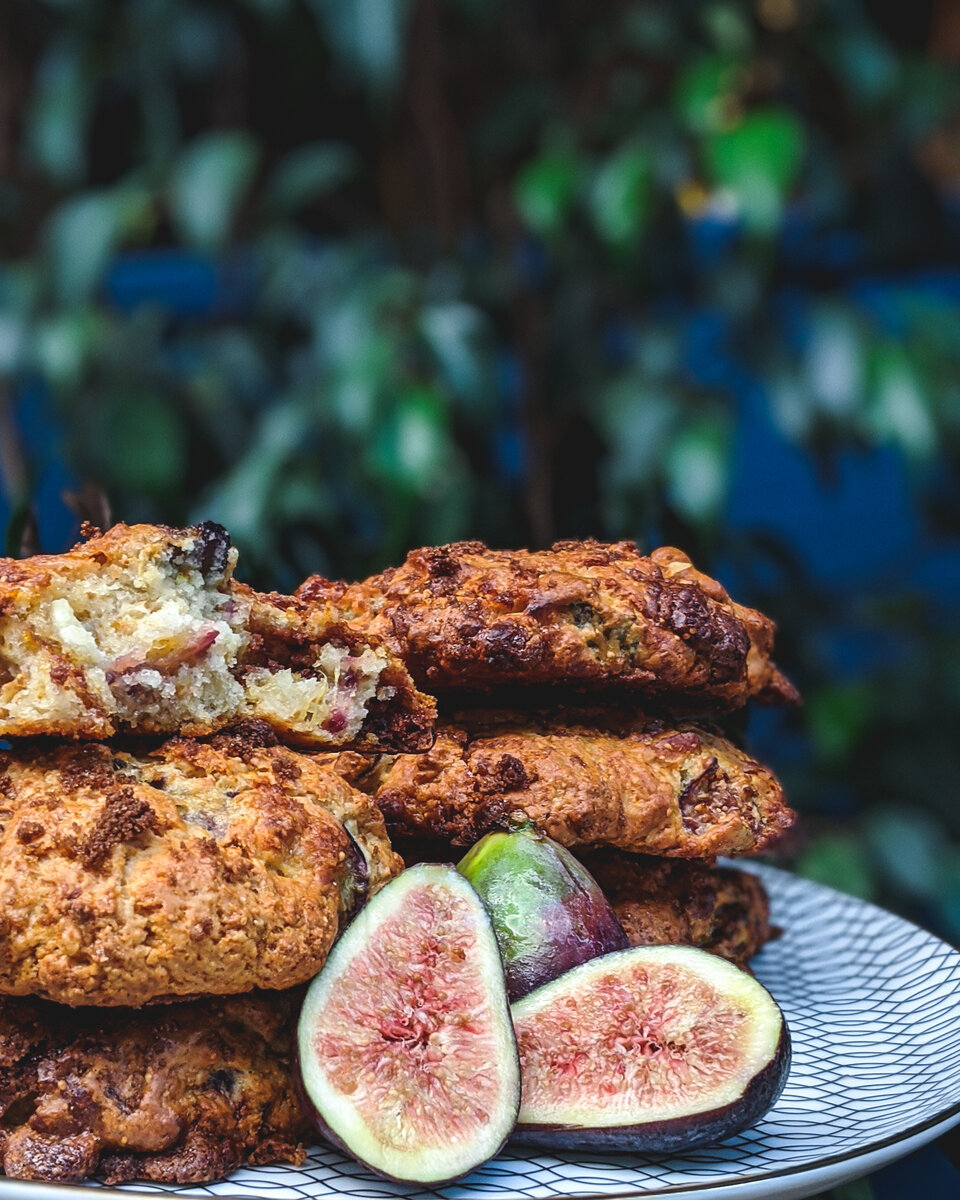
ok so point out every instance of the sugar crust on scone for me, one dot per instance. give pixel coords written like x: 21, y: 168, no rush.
x: 180, y: 1093
x: 649, y: 786
x: 194, y: 869
x: 143, y: 629
x: 584, y: 614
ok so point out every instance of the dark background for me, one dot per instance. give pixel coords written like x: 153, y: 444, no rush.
x: 356, y: 275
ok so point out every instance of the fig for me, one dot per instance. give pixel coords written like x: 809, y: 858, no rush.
x: 356, y: 881
x: 407, y: 1051
x: 657, y: 1048
x: 548, y: 911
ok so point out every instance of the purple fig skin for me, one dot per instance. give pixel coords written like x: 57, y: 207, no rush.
x: 356, y: 884
x: 548, y: 912
x: 677, y: 1135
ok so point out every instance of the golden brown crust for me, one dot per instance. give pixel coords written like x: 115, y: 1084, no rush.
x: 663, y: 902
x: 646, y: 786
x: 197, y: 868
x: 143, y: 630
x: 585, y: 614
x: 185, y: 1093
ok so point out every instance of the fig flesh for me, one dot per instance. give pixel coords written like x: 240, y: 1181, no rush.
x: 407, y: 1051
x: 657, y: 1048
x: 548, y: 911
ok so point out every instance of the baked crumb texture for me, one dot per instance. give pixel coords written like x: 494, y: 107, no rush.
x: 182, y: 1093
x: 200, y: 868
x: 143, y: 629
x: 584, y: 614
x: 648, y: 786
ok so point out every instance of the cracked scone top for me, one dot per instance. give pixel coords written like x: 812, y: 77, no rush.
x: 143, y: 629
x: 198, y: 868
x: 583, y: 614
x: 588, y: 778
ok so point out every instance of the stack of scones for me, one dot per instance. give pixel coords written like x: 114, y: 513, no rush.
x: 573, y: 686
x: 171, y: 870
x: 200, y: 783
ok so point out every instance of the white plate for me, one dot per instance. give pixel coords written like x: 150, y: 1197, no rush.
x: 873, y: 1004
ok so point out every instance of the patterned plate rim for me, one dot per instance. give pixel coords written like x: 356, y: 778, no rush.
x: 946, y: 1117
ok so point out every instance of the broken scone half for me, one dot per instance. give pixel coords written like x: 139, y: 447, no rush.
x: 143, y: 629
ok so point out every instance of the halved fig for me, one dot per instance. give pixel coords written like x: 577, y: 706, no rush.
x: 662, y: 1048
x: 406, y: 1045
x: 548, y: 911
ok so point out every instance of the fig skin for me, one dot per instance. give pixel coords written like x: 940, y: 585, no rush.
x: 356, y: 886
x: 683, y: 1132
x: 548, y: 911
x: 320, y: 1089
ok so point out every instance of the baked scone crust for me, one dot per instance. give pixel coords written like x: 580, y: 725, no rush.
x: 644, y: 785
x: 197, y: 868
x: 182, y: 1093
x: 583, y: 614
x: 667, y: 902
x: 143, y: 630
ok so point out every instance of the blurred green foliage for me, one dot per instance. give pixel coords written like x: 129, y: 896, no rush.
x: 449, y: 254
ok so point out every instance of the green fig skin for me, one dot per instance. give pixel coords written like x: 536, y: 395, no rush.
x: 548, y: 912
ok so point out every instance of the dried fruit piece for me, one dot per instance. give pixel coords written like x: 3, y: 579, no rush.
x: 406, y: 1045
x: 548, y: 912
x: 655, y: 1048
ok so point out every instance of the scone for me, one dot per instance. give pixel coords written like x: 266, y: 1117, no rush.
x: 192, y: 869
x: 583, y: 614
x: 664, y: 902
x: 143, y: 629
x: 180, y: 1093
x: 647, y: 786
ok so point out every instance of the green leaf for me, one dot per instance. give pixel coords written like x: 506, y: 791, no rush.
x: 147, y: 447
x: 837, y: 717
x: 59, y: 110
x: 705, y: 92
x: 899, y: 408
x: 457, y: 334
x: 909, y: 847
x: 83, y: 234
x: 413, y: 446
x: 546, y: 190
x: 758, y: 161
x: 728, y: 26
x: 61, y: 345
x: 368, y: 35
x: 309, y: 172
x: 834, y: 362
x: 621, y: 197
x: 839, y: 861
x: 241, y: 499
x: 13, y: 341
x: 697, y: 469
x: 208, y: 184
x: 637, y: 421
